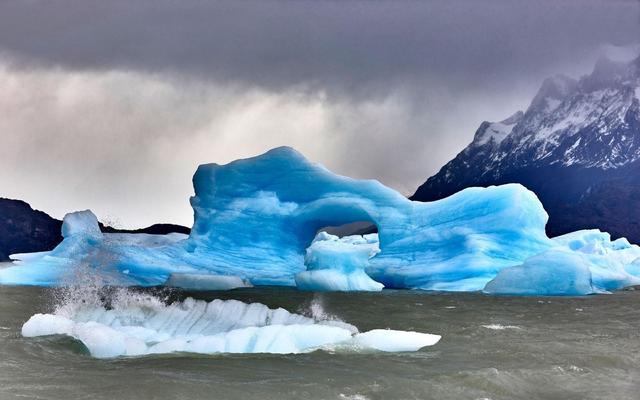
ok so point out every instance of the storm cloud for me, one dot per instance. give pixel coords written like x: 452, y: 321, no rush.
x: 112, y: 105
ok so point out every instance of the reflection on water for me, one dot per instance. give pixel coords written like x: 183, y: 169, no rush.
x: 492, y: 347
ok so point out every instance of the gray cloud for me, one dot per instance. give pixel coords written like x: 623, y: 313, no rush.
x: 330, y: 43
x: 111, y: 105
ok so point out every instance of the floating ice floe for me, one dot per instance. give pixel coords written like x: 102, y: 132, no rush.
x: 582, y: 262
x: 137, y: 324
x: 256, y: 221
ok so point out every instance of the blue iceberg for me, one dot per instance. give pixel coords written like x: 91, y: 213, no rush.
x: 551, y: 273
x: 582, y: 262
x: 256, y: 221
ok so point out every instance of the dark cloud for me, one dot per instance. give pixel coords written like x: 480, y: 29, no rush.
x: 341, y: 43
x: 110, y: 105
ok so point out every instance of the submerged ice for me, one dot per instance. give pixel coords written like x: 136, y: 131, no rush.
x: 256, y: 222
x: 137, y: 324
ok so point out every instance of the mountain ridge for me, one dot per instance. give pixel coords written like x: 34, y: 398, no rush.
x: 577, y: 146
x: 26, y: 230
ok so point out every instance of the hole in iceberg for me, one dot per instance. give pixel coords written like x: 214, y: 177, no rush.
x: 337, y: 258
x: 351, y: 228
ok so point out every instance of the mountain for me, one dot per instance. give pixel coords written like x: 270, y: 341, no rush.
x: 577, y: 147
x: 155, y: 229
x: 25, y: 230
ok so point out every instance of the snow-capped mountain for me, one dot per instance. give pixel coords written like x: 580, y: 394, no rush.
x: 577, y: 146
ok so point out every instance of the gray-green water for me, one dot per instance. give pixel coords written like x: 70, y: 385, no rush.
x: 492, y: 347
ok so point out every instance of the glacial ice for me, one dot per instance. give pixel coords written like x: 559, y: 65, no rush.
x: 257, y: 221
x: 85, y: 248
x: 338, y: 264
x: 394, y: 341
x: 609, y: 260
x: 582, y: 262
x: 551, y: 273
x: 139, y: 324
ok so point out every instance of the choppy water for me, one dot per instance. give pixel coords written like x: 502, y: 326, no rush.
x: 492, y: 347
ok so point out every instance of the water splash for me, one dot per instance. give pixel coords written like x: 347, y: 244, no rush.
x: 114, y: 322
x: 317, y: 311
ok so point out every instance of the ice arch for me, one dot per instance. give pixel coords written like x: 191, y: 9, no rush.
x: 265, y: 211
x: 262, y: 213
x: 254, y: 219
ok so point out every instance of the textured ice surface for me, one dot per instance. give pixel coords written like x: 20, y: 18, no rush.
x: 582, y: 262
x: 609, y: 261
x: 255, y: 220
x: 138, y: 324
x: 553, y: 272
x: 109, y: 255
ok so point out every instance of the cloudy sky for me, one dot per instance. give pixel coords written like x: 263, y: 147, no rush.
x: 111, y: 105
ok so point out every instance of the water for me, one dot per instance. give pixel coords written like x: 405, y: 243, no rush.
x: 492, y: 347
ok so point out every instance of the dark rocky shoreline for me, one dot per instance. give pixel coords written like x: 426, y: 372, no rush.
x: 25, y: 230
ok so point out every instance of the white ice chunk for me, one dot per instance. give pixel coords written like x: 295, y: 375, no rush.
x: 139, y: 325
x: 47, y: 324
x: 338, y: 264
x: 395, y: 341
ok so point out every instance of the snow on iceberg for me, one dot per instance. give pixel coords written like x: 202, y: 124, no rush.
x: 256, y: 219
x: 138, y: 324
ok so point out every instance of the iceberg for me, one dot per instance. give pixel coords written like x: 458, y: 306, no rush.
x: 610, y: 261
x: 86, y: 251
x: 551, y: 273
x: 257, y: 221
x: 338, y: 264
x: 583, y: 262
x: 139, y: 324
